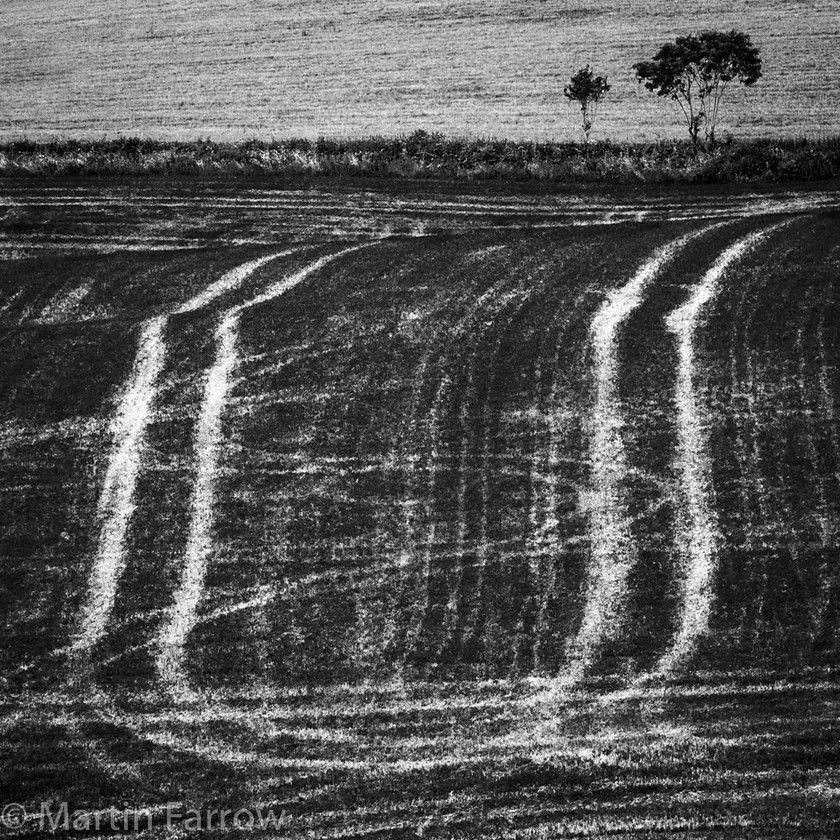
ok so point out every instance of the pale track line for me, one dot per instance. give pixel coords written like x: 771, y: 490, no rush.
x: 818, y: 509
x: 116, y: 502
x: 484, y: 545
x: 208, y: 444
x: 613, y: 549
x: 411, y: 632
x: 415, y: 634
x: 229, y: 281
x: 827, y: 397
x: 534, y: 555
x: 63, y: 305
x: 402, y: 639
x: 269, y: 718
x: 784, y: 516
x: 410, y: 501
x: 464, y: 327
x: 741, y: 447
x: 549, y: 530
x: 699, y: 537
x: 173, y: 636
x: 532, y: 547
x: 7, y: 304
x: 820, y: 479
x: 817, y: 480
x: 543, y: 520
x: 829, y: 414
x: 753, y: 488
x: 461, y: 530
x: 534, y: 464
x: 433, y: 434
x: 518, y: 298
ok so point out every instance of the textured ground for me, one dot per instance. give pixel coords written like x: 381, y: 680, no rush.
x: 481, y: 515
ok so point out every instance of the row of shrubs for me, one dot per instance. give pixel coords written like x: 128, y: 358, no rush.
x: 424, y: 155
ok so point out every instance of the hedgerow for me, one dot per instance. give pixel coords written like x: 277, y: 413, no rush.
x: 427, y: 155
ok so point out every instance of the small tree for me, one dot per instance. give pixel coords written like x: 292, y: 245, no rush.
x: 587, y: 90
x: 695, y: 70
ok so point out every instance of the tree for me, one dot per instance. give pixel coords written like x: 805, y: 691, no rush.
x: 587, y: 90
x: 695, y: 70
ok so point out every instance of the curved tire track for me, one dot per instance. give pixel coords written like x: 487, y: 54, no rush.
x: 613, y: 550
x: 209, y: 445
x: 134, y: 413
x: 116, y: 503
x: 698, y: 542
x: 417, y: 608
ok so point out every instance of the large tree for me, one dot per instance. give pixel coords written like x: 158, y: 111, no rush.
x: 695, y: 70
x: 586, y: 90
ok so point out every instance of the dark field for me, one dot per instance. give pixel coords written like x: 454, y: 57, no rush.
x: 451, y: 513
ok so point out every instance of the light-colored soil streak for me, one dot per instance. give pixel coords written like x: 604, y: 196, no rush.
x: 425, y: 430
x: 612, y: 546
x: 209, y: 447
x: 116, y: 504
x: 518, y: 299
x: 698, y: 534
x: 549, y: 540
x: 229, y: 281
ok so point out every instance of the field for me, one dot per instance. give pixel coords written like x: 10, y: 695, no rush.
x: 409, y: 511
x: 181, y: 70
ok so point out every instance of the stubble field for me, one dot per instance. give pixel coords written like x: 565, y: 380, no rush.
x: 178, y: 70
x: 454, y: 512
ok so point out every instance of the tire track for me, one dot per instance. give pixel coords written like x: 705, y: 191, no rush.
x: 829, y: 415
x: 173, y: 636
x: 778, y: 408
x: 807, y: 525
x: 537, y: 480
x: 754, y: 518
x: 529, y: 545
x: 699, y: 538
x: 546, y: 538
x: 416, y: 609
x: 415, y: 634
x: 116, y: 502
x: 534, y: 548
x: 750, y: 496
x: 401, y: 636
x: 518, y: 299
x: 810, y: 511
x: 793, y: 471
x: 613, y: 551
x: 819, y: 478
x: 134, y: 414
x: 548, y: 532
x: 536, y: 483
x: 208, y: 445
x: 488, y: 305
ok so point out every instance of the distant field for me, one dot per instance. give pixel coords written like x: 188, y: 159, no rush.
x: 177, y: 69
x: 426, y: 513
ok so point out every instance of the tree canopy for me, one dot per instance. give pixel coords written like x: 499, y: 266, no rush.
x: 695, y: 70
x: 587, y: 90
